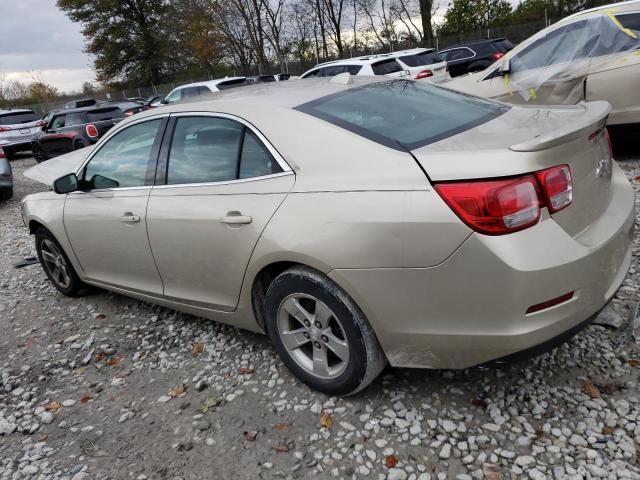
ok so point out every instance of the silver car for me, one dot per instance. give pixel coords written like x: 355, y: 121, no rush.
x: 16, y: 129
x: 352, y: 220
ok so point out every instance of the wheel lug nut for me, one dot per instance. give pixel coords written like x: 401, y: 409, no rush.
x: 307, y: 323
x: 318, y: 325
x: 324, y: 338
x: 317, y: 344
x: 306, y: 335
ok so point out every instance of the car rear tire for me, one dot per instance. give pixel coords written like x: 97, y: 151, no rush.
x: 56, y: 265
x: 6, y: 194
x: 320, y: 333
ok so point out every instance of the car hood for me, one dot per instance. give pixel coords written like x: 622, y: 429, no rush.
x: 50, y: 170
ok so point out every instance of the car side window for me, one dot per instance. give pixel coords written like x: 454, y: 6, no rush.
x: 125, y: 157
x: 204, y: 149
x: 386, y: 67
x: 77, y: 118
x: 211, y: 149
x: 255, y: 160
x: 58, y: 122
x: 190, y: 92
x: 630, y: 21
x: 456, y: 54
x: 203, y: 90
x: 175, y: 96
x: 314, y: 74
x: 562, y: 45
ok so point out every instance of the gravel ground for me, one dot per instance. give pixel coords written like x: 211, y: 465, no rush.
x: 106, y: 387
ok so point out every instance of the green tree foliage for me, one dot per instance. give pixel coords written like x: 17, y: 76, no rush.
x: 471, y: 15
x: 126, y: 37
x: 532, y: 10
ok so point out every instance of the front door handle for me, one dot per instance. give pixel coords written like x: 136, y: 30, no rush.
x: 236, y: 218
x: 129, y: 217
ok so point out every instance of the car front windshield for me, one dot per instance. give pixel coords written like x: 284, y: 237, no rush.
x: 403, y: 114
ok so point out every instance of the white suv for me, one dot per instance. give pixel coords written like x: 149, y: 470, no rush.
x: 191, y: 90
x: 16, y: 129
x: 419, y: 63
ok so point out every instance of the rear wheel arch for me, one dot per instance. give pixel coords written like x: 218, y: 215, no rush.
x: 35, y: 225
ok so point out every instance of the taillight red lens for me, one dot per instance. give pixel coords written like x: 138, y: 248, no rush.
x: 608, y: 137
x: 497, y: 207
x: 497, y: 56
x: 424, y: 74
x: 92, y: 131
x: 128, y: 113
x: 494, y: 207
x: 40, y: 124
x: 557, y: 187
x: 2, y: 155
x: 5, y: 129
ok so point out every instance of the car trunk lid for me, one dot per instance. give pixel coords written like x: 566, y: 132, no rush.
x: 525, y: 140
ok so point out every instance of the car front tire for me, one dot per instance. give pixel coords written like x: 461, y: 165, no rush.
x: 56, y: 265
x: 320, y: 334
x: 6, y: 194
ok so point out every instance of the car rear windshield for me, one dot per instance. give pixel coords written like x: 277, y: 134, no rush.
x: 419, y: 59
x: 102, y: 114
x: 503, y: 45
x: 403, y: 114
x: 17, y: 118
x: 238, y: 82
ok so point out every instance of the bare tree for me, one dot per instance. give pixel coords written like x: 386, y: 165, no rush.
x: 274, y: 19
x: 335, y: 10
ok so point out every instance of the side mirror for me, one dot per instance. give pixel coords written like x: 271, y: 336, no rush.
x: 98, y: 182
x: 505, y: 67
x: 67, y: 184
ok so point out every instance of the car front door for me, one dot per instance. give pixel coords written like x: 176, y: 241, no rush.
x: 549, y: 71
x: 219, y: 185
x: 617, y: 62
x: 55, y: 140
x: 106, y: 222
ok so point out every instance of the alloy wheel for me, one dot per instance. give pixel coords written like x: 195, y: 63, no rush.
x: 55, y: 263
x: 313, y: 335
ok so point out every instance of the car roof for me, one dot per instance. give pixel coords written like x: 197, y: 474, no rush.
x: 84, y: 109
x: 15, y: 110
x: 369, y: 59
x: 272, y: 95
x: 210, y: 83
x: 472, y: 42
x: 612, y: 7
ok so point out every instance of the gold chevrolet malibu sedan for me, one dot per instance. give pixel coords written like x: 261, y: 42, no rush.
x: 354, y: 221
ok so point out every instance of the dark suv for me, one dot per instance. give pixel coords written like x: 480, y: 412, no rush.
x: 469, y: 57
x: 72, y: 129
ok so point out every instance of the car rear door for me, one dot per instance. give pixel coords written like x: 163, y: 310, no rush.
x: 219, y: 183
x: 106, y: 222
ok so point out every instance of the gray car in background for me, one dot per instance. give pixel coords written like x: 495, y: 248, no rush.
x: 16, y: 128
x: 6, y: 178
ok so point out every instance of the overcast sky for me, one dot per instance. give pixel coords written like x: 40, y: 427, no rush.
x: 37, y: 39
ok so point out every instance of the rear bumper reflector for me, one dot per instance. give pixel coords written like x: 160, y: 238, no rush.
x: 550, y: 303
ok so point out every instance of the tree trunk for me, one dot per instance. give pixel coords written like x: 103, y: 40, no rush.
x: 425, y: 13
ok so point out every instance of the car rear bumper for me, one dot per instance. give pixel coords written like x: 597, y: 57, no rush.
x: 16, y: 144
x: 471, y: 308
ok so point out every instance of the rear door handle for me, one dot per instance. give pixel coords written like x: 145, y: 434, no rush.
x: 129, y: 217
x: 236, y: 218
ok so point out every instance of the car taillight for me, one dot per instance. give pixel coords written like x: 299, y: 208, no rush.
x: 498, y: 207
x: 608, y: 137
x: 2, y: 155
x: 40, y: 124
x: 92, y: 131
x: 494, y: 207
x: 424, y: 74
x: 128, y: 113
x: 5, y: 129
x: 497, y: 56
x: 557, y: 187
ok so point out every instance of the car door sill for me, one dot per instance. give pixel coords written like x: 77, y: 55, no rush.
x: 161, y: 299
